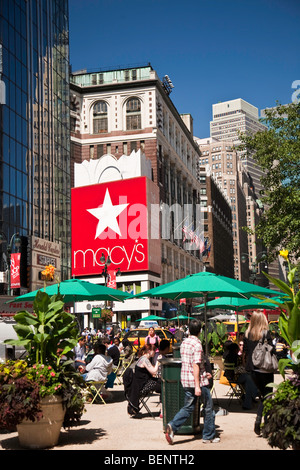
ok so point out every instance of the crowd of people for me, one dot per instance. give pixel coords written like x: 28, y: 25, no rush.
x: 196, y: 377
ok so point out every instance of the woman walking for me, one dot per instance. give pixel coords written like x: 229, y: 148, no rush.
x: 258, y: 330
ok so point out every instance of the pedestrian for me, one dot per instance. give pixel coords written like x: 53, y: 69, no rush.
x: 258, y: 330
x: 152, y: 338
x: 195, y: 383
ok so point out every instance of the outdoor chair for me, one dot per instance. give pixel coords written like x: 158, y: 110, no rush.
x: 145, y: 395
x: 95, y: 388
x: 236, y: 390
x: 126, y: 362
x: 117, y: 369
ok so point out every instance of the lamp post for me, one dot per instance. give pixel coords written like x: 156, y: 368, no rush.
x: 17, y: 242
x: 106, y: 262
x: 260, y: 257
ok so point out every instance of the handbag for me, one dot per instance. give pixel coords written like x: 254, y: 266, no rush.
x: 262, y: 357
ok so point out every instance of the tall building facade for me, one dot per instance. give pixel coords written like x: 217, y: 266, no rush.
x: 230, y: 119
x: 120, y: 112
x: 221, y: 162
x: 34, y: 136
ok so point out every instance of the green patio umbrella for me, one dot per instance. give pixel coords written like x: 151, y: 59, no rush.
x: 182, y: 317
x: 237, y: 304
x: 76, y: 290
x: 205, y: 284
x: 151, y: 317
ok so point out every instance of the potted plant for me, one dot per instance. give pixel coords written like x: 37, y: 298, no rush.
x: 45, y: 380
x: 282, y: 408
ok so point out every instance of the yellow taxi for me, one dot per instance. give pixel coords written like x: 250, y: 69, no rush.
x: 232, y: 327
x: 138, y: 335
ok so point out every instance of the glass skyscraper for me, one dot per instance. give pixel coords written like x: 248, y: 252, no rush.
x: 34, y: 125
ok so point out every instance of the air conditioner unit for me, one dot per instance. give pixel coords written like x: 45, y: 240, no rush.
x: 3, y: 277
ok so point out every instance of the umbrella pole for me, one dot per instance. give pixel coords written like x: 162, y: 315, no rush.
x: 237, y: 325
x: 205, y: 321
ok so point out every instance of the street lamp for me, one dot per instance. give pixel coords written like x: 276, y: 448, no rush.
x: 17, y: 242
x: 106, y: 262
x: 260, y: 257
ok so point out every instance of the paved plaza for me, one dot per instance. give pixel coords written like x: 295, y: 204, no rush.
x: 109, y: 428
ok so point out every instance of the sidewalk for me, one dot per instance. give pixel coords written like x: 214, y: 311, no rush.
x: 109, y: 427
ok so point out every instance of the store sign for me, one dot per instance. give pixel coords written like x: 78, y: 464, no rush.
x: 110, y: 219
x: 96, y: 312
x: 42, y: 253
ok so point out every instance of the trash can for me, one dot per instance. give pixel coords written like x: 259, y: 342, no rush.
x: 173, y: 397
x: 176, y: 351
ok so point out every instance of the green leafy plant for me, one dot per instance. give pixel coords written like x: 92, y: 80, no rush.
x: 216, y: 338
x: 49, y: 336
x: 289, y: 318
x: 282, y: 408
x: 282, y: 415
x: 46, y: 330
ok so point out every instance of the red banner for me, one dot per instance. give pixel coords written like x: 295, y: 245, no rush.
x: 112, y: 281
x: 15, y: 281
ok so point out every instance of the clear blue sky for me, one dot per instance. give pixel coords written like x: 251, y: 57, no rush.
x: 213, y: 50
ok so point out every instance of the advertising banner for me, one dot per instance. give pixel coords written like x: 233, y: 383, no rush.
x: 112, y: 280
x: 111, y: 219
x: 15, y: 281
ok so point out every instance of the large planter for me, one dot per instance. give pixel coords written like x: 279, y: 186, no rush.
x: 45, y: 432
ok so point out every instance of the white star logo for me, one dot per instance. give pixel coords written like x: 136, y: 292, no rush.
x: 107, y: 215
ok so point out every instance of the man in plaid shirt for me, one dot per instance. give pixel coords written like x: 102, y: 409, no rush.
x: 194, y: 380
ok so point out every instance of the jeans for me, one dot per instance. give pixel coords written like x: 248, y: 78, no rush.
x: 209, y: 429
x: 188, y: 408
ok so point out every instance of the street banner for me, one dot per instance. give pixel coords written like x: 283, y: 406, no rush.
x: 15, y: 281
x: 112, y: 280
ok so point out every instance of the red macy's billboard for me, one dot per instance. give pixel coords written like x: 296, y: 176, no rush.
x: 114, y: 219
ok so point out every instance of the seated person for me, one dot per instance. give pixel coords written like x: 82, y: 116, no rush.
x: 113, y: 350
x: 144, y: 377
x: 164, y: 349
x: 239, y: 374
x: 80, y: 353
x: 281, y: 348
x: 100, y: 366
x: 127, y: 349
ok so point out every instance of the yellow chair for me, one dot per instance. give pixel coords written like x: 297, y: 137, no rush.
x: 228, y: 378
x: 125, y: 364
x: 95, y: 388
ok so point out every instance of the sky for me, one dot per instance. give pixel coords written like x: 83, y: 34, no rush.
x: 212, y: 50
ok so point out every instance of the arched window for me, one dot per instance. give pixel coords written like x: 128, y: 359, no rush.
x: 100, y: 121
x: 133, y: 114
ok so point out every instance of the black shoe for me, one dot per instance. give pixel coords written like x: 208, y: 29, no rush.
x: 257, y: 428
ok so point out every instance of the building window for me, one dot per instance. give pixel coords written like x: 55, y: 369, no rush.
x: 100, y: 121
x: 133, y: 114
